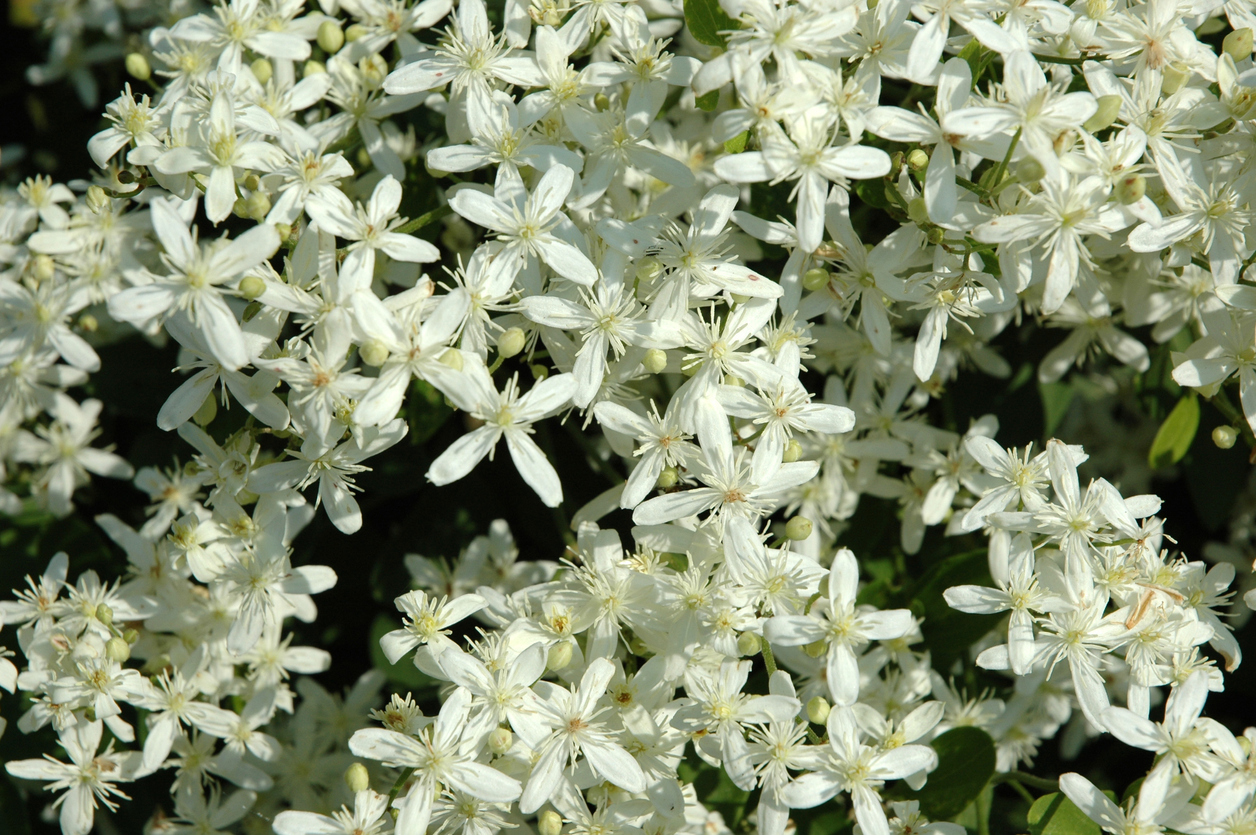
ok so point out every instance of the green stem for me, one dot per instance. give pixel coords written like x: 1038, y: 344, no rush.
x: 1021, y: 790
x: 768, y: 657
x: 425, y: 219
x: 983, y: 813
x: 1040, y: 783
x: 1222, y: 401
x: 401, y: 781
x: 1007, y: 158
x: 1060, y: 59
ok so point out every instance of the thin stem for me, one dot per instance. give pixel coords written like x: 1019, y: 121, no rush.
x: 983, y: 813
x: 1040, y: 783
x: 425, y: 219
x: 1222, y: 401
x: 768, y: 657
x: 1002, y: 169
x: 401, y: 781
x: 1021, y: 790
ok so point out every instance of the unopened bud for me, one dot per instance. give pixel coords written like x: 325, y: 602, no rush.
x: 208, y: 410
x: 258, y: 205
x: 1030, y: 170
x: 549, y: 822
x: 815, y: 278
x: 240, y: 208
x: 559, y: 656
x: 918, y: 160
x: 330, y: 38
x: 104, y: 614
x: 117, y: 650
x: 374, y: 69
x: 1097, y: 9
x: 131, y: 636
x: 511, y: 342
x: 648, y: 269
x: 283, y: 230
x: 43, y: 267
x: 97, y: 199
x: 1130, y: 189
x: 816, y: 648
x: 917, y: 211
x: 734, y: 380
x: 355, y: 32
x: 818, y: 710
x: 137, y: 67
x: 262, y: 69
x: 1225, y: 436
x: 251, y: 287
x: 1109, y: 109
x: 655, y: 360
x: 668, y: 478
x: 253, y: 182
x: 738, y: 298
x: 798, y: 528
x: 88, y: 324
x: 793, y: 451
x: 500, y: 740
x: 602, y: 102
x: 1238, y: 44
x: 373, y: 352
x: 1174, y: 77
x: 935, y: 235
x: 748, y: 644
x: 357, y: 778
x: 539, y: 371
x: 312, y: 68
x: 452, y: 358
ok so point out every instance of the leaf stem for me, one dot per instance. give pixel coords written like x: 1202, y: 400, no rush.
x: 768, y: 657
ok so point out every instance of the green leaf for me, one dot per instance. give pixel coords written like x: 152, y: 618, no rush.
x: 1056, y: 398
x: 965, y: 764
x: 951, y: 632
x: 715, y: 788
x: 872, y: 192
x: 706, y: 20
x: 425, y: 411
x: 1055, y: 814
x: 1176, y: 433
x: 738, y: 143
x: 708, y: 101
x: 403, y: 672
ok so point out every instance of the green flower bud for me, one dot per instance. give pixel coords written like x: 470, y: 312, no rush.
x: 330, y: 38
x: 815, y: 278
x: 258, y: 205
x: 373, y: 352
x: 1238, y: 44
x: 1130, y: 189
x: 87, y: 323
x: 355, y: 32
x: 284, y: 231
x: 816, y: 648
x: 602, y: 102
x: 131, y: 636
x: 357, y: 778
x: 549, y: 822
x: 918, y: 160
x: 655, y: 360
x: 738, y: 298
x: 251, y: 287
x: 1109, y: 109
x: 500, y: 740
x: 1030, y: 170
x: 240, y: 208
x: 559, y: 656
x: 207, y: 412
x: 117, y: 650
x: 43, y: 267
x: 748, y: 644
x: 97, y: 200
x: 648, y: 269
x: 452, y: 358
x: 1225, y: 436
x: 935, y: 235
x: 137, y: 67
x: 793, y: 451
x: 668, y: 478
x: 539, y: 371
x: 798, y: 528
x: 918, y: 211
x: 104, y: 614
x: 734, y: 380
x: 511, y: 342
x: 262, y: 69
x: 1174, y: 77
x: 312, y: 68
x: 818, y: 710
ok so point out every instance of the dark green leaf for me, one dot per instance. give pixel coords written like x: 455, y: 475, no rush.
x: 949, y: 632
x: 872, y: 192
x: 717, y: 791
x: 1056, y: 398
x: 706, y: 20
x: 426, y: 411
x: 1055, y: 814
x: 965, y: 764
x: 1176, y: 433
x: 403, y: 672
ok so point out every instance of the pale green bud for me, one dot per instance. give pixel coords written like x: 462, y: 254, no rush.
x: 131, y: 636
x: 373, y: 352
x: 798, y: 528
x: 251, y: 287
x: 1030, y: 170
x: 602, y: 102
x: 539, y: 371
x: 452, y: 358
x: 1225, y: 436
x: 262, y: 69
x: 1238, y: 44
x: 549, y: 822
x: 818, y: 710
x: 330, y: 38
x: 43, y: 267
x: 355, y: 32
x: 283, y: 230
x: 935, y: 235
x: 1109, y: 109
x: 357, y: 778
x: 559, y: 656
x: 240, y: 208
x: 500, y: 740
x: 918, y: 160
x: 97, y: 199
x: 312, y: 67
x: 748, y: 644
x: 208, y: 410
x: 793, y: 451
x: 511, y: 342
x: 815, y: 278
x: 734, y: 380
x: 117, y: 650
x: 1174, y: 77
x: 655, y: 360
x: 738, y: 298
x: 104, y: 614
x: 648, y: 269
x: 87, y: 323
x: 374, y: 69
x: 137, y: 66
x: 1130, y: 189
x: 668, y: 478
x: 917, y: 211
x: 816, y: 648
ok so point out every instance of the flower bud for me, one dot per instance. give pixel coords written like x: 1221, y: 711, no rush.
x: 1225, y: 436
x: 357, y: 778
x: 1238, y: 44
x: 208, y: 410
x: 1097, y: 9
x: 918, y: 160
x: 452, y: 358
x: 793, y: 451
x: 539, y: 371
x: 251, y: 287
x: 818, y: 710
x: 549, y: 822
x: 500, y: 740
x: 88, y: 324
x: 918, y: 211
x: 668, y: 478
x: 131, y: 636
x: 374, y: 69
x: 117, y: 650
x: 1174, y: 77
x: 137, y: 67
x: 284, y: 231
x: 1130, y: 189
x: 602, y: 102
x: 798, y: 528
x: 816, y: 648
x: 935, y: 235
x: 104, y: 614
x: 815, y: 278
x: 43, y: 267
x: 312, y: 68
x: 373, y: 352
x: 511, y: 342
x: 355, y: 32
x: 258, y: 205
x: 1109, y: 109
x: 655, y: 360
x: 748, y: 644
x: 734, y: 380
x: 559, y: 656
x: 240, y: 208
x: 97, y: 199
x: 1030, y: 170
x: 738, y: 298
x: 330, y: 38
x: 648, y: 269
x: 262, y: 69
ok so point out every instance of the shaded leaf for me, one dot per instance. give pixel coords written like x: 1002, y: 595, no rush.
x: 1055, y: 814
x: 966, y: 762
x: 403, y: 672
x: 1176, y: 434
x: 706, y: 20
